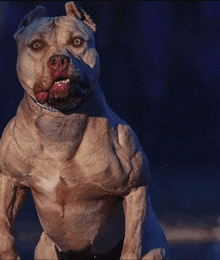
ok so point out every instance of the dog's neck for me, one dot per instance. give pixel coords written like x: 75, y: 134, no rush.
x: 63, y: 131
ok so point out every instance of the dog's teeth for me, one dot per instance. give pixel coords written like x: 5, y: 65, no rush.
x: 62, y: 81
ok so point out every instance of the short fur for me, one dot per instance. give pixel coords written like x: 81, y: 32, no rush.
x: 84, y: 165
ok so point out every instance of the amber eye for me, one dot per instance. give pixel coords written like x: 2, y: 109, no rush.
x: 37, y: 45
x: 77, y: 42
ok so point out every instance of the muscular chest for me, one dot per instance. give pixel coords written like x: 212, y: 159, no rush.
x: 98, y: 161
x: 89, y: 168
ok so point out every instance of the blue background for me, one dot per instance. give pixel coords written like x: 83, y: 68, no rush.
x: 160, y: 73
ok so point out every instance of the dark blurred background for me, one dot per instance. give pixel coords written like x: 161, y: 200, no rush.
x: 160, y: 73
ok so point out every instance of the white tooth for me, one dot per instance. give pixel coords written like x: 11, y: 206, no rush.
x: 59, y: 85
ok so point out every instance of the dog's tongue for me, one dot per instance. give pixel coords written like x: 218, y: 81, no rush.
x: 57, y: 91
x: 42, y: 97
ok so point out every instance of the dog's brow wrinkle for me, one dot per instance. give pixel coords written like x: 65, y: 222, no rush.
x: 37, y: 35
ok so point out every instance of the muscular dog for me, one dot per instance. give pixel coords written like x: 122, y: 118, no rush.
x: 84, y: 165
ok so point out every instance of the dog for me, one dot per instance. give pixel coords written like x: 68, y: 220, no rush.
x: 85, y: 167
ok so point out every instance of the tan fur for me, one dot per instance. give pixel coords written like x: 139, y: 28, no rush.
x: 71, y: 9
x: 45, y: 249
x: 85, y: 167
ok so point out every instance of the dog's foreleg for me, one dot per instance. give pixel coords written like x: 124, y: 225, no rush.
x: 11, y: 199
x: 135, y: 206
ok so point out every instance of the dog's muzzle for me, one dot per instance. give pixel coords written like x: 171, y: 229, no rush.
x: 67, y: 89
x: 60, y: 89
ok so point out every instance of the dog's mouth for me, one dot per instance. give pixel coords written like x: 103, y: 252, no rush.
x: 62, y: 92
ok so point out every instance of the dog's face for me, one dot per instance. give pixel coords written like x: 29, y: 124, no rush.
x: 57, y: 61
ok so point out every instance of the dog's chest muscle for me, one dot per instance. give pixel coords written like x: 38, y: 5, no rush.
x: 93, y: 164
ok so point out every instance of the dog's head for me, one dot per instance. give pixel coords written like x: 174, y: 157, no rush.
x: 57, y: 61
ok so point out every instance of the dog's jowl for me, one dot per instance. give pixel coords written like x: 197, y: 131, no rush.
x: 84, y: 165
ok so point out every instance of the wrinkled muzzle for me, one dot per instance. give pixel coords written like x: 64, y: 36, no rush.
x: 69, y: 80
x: 60, y: 89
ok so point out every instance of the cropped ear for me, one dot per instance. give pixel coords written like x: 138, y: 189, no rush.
x: 38, y: 11
x: 30, y: 17
x: 80, y: 14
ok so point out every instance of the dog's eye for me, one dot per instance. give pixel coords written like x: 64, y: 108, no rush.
x: 37, y: 45
x: 77, y: 42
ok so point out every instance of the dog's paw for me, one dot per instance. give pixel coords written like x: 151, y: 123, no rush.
x: 155, y: 254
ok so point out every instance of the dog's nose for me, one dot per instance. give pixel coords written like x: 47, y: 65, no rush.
x: 59, y: 62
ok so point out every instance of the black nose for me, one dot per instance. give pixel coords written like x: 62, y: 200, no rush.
x: 59, y: 62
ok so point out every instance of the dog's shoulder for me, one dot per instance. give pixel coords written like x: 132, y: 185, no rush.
x: 14, y: 158
x: 129, y: 151
x: 7, y: 145
x: 7, y: 135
